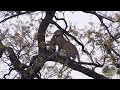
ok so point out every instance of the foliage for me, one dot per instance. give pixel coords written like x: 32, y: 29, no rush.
x: 99, y: 42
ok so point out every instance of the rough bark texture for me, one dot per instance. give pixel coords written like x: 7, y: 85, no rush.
x: 42, y: 29
x: 38, y: 62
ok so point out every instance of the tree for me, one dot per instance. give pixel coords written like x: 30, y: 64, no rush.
x: 24, y: 36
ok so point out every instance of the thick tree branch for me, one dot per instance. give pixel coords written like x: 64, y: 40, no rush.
x: 53, y: 22
x: 36, y: 65
x: 13, y: 58
x: 83, y: 47
x: 2, y: 49
x: 77, y: 66
x: 42, y: 29
x: 73, y: 64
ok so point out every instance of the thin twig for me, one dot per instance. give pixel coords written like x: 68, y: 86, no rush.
x: 15, y: 16
x: 101, y: 20
x: 63, y: 20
